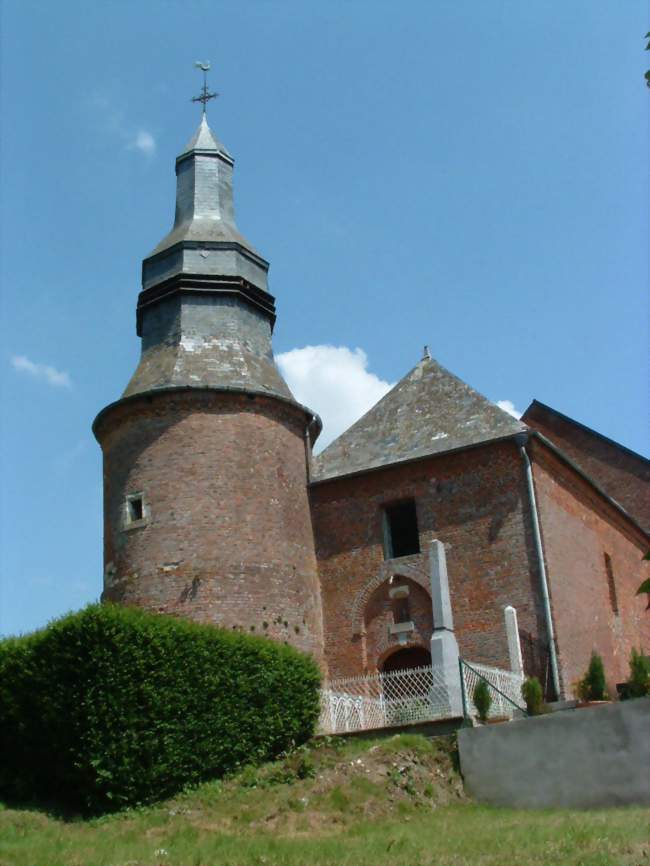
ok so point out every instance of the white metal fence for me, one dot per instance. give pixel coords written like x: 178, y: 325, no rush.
x: 413, y: 695
x: 382, y: 700
x: 505, y: 690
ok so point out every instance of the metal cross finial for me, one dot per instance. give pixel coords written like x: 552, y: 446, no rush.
x: 205, y: 96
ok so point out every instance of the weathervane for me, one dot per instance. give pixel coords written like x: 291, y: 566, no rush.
x: 205, y: 96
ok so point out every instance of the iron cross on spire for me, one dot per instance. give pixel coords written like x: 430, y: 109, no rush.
x: 205, y: 96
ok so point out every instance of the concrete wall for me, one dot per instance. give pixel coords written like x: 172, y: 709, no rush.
x: 597, y: 756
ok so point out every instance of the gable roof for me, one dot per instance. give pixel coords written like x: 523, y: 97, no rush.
x: 538, y: 411
x: 621, y: 472
x: 428, y: 412
x: 595, y: 484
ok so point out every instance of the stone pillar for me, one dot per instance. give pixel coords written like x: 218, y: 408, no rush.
x: 444, y: 648
x: 514, y: 646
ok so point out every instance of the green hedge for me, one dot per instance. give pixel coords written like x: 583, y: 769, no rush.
x: 111, y: 706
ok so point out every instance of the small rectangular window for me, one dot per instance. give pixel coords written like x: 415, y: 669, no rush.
x: 401, y: 530
x: 134, y: 508
x: 401, y: 610
x: 613, y: 600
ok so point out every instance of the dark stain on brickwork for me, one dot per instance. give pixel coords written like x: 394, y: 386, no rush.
x: 190, y: 590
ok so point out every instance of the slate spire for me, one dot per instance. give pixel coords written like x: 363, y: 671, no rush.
x: 204, y: 313
x: 204, y: 238
x: 204, y: 139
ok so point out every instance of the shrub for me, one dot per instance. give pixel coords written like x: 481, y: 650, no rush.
x: 111, y: 707
x: 482, y: 699
x: 531, y: 691
x: 638, y: 685
x: 592, y: 686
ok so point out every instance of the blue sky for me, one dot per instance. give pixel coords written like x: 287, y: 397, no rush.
x: 468, y: 175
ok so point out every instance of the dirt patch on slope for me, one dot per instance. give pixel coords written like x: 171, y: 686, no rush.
x: 333, y: 783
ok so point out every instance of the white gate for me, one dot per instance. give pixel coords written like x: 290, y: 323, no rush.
x: 383, y: 700
x: 505, y: 690
x: 412, y: 695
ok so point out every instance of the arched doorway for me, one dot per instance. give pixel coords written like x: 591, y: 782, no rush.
x: 406, y: 659
x: 406, y: 695
x: 397, y: 616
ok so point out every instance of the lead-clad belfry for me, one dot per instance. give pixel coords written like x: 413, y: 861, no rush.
x: 437, y: 520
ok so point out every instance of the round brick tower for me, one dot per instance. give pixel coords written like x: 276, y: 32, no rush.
x: 206, y: 454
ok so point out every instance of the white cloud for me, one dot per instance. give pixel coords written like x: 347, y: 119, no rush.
x: 44, y: 372
x: 144, y: 142
x: 333, y: 381
x: 509, y: 407
x: 113, y: 120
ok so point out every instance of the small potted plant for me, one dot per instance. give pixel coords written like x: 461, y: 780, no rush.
x: 531, y: 691
x: 638, y: 684
x: 591, y: 689
x: 482, y: 700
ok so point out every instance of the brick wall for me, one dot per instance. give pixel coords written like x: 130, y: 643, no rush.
x: 578, y: 528
x: 625, y: 476
x: 474, y: 501
x: 228, y: 537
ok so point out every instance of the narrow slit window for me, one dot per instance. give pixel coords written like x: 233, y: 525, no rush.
x: 401, y: 530
x: 402, y: 612
x: 134, y: 508
x: 613, y: 600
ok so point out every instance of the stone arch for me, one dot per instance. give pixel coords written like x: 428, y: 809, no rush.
x: 386, y: 627
x: 408, y: 650
x: 414, y: 572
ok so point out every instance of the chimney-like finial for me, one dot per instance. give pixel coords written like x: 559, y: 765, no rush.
x: 205, y: 96
x: 426, y: 354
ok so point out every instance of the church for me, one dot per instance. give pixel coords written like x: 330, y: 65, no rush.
x: 436, y: 524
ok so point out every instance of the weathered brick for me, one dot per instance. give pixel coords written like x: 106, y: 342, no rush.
x: 228, y: 539
x: 476, y: 503
x: 578, y: 528
x: 473, y: 501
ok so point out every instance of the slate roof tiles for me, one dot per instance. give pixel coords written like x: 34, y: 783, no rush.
x: 428, y: 412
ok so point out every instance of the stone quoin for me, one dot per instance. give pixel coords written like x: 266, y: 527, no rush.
x: 436, y: 523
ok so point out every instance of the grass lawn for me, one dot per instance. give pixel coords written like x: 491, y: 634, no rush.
x: 395, y: 801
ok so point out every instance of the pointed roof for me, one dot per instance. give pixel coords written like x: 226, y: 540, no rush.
x: 204, y: 220
x: 428, y: 412
x: 205, y: 140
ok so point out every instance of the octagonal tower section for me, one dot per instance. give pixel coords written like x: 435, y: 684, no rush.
x: 206, y: 454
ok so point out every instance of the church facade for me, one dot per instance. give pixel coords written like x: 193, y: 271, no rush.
x: 216, y: 509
